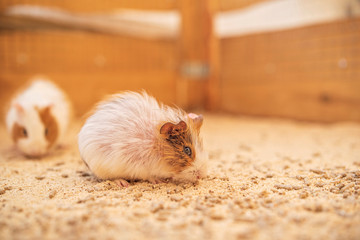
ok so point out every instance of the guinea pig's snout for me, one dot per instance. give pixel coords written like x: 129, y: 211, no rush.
x: 36, y: 152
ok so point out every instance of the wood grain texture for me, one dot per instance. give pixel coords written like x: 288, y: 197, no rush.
x: 213, y: 82
x: 193, y: 49
x: 96, y: 6
x: 85, y: 89
x: 229, y: 5
x: 57, y: 51
x: 87, y: 66
x: 310, y: 73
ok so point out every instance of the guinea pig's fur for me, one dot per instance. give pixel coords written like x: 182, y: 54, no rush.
x: 38, y: 117
x: 132, y: 136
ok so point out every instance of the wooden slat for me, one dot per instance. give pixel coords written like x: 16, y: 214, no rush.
x: 306, y: 100
x: 86, y: 89
x: 71, y: 51
x: 96, y: 6
x: 228, y: 5
x: 311, y: 73
x: 88, y: 66
x: 126, y: 22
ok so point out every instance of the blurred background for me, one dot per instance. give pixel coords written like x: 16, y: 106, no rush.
x: 297, y: 59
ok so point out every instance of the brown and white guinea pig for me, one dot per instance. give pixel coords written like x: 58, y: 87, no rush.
x: 131, y: 136
x: 38, y: 117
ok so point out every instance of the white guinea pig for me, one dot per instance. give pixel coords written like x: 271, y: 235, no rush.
x: 132, y: 136
x: 38, y: 117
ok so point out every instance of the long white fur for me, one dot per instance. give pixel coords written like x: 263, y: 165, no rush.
x: 41, y: 93
x: 117, y: 140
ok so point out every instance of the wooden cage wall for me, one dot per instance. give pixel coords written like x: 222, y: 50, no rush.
x: 307, y: 73
x: 89, y: 65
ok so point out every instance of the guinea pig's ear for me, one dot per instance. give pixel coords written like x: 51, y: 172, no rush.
x: 48, y: 108
x: 167, y: 128
x: 181, y: 126
x: 197, y: 120
x: 170, y: 128
x: 19, y: 109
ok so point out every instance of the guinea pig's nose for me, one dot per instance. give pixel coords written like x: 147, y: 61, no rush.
x: 36, y: 153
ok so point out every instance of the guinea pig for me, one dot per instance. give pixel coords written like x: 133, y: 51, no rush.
x: 38, y: 117
x: 131, y: 136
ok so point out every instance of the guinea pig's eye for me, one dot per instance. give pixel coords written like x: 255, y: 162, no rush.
x: 24, y: 132
x: 46, y: 131
x: 187, y: 151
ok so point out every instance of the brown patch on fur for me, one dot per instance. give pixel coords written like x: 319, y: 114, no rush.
x: 18, y: 132
x: 176, y: 137
x: 50, y: 124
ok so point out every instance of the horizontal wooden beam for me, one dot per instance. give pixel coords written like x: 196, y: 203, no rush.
x: 276, y: 15
x: 229, y: 5
x: 97, y: 6
x: 135, y: 23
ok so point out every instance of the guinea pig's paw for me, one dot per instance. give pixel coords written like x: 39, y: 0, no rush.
x: 122, y: 182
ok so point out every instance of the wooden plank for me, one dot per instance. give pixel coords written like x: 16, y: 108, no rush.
x: 311, y: 73
x: 88, y: 66
x: 53, y: 51
x: 127, y: 22
x: 329, y: 101
x: 228, y: 5
x: 278, y: 15
x: 96, y: 6
x: 86, y: 89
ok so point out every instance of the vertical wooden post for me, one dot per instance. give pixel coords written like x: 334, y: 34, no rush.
x: 213, y: 83
x: 195, y: 84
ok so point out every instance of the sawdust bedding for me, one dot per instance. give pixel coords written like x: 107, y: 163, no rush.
x: 267, y: 179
